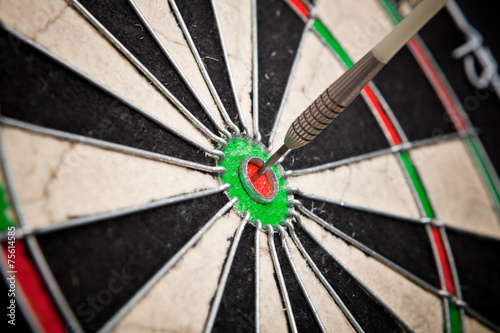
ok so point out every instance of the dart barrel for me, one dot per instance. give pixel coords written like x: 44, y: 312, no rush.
x: 332, y: 102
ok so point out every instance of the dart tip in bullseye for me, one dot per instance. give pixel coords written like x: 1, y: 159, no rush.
x: 270, y: 162
x: 262, y: 189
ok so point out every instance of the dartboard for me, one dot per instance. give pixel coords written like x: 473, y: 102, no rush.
x: 128, y: 132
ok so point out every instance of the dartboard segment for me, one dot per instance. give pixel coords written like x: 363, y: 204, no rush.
x: 39, y: 90
x: 458, y: 195
x: 200, y: 23
x: 237, y: 306
x: 279, y: 35
x: 305, y: 317
x: 478, y: 269
x: 142, y: 244
x: 367, y: 312
x: 68, y: 36
x: 272, y: 315
x: 418, y: 308
x: 332, y: 316
x: 159, y: 17
x: 378, y: 184
x: 180, y: 299
x: 285, y: 298
x: 120, y: 20
x: 358, y: 26
x: 217, y: 299
x: 402, y: 242
x: 56, y: 180
x: 473, y: 325
x: 235, y: 24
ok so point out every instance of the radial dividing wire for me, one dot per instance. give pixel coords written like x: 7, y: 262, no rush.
x: 229, y: 70
x: 291, y: 78
x: 85, y: 220
x: 281, y: 280
x: 159, y: 86
x: 165, y: 268
x: 213, y: 152
x: 326, y: 284
x: 258, y: 229
x: 112, y: 146
x: 299, y: 280
x: 202, y: 68
x: 360, y: 283
x: 255, y: 73
x: 167, y: 54
x: 224, y: 275
x: 370, y: 252
x: 34, y: 248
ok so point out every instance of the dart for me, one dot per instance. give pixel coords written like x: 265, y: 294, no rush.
x: 347, y: 87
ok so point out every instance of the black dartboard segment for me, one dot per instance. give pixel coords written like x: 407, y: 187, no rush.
x: 198, y: 15
x: 237, y: 308
x: 402, y: 242
x: 354, y: 133
x: 478, y: 269
x: 412, y: 98
x: 302, y: 313
x: 120, y: 19
x: 100, y: 266
x: 41, y: 91
x: 482, y: 106
x: 370, y: 315
x: 279, y: 31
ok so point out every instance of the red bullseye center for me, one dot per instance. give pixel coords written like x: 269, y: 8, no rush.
x: 261, y: 184
x: 262, y: 190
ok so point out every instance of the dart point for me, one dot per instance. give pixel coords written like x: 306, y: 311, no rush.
x: 261, y: 189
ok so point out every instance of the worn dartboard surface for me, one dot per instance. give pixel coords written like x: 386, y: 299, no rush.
x: 123, y: 122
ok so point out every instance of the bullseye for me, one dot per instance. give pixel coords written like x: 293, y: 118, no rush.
x: 263, y: 189
x: 261, y: 184
x: 265, y: 197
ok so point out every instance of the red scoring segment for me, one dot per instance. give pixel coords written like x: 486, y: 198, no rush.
x: 30, y: 282
x: 445, y: 264
x: 261, y: 184
x: 300, y: 7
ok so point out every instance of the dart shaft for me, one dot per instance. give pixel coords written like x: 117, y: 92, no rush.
x: 332, y: 102
x: 270, y: 162
x: 347, y: 87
